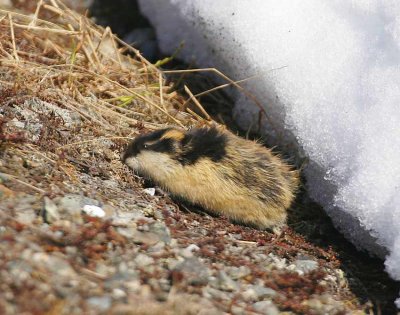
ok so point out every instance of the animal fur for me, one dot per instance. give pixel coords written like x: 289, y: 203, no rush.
x: 219, y: 171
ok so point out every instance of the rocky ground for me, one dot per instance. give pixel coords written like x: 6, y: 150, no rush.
x: 75, y: 240
x: 80, y: 234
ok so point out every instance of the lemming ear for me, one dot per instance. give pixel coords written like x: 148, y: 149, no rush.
x: 173, y: 134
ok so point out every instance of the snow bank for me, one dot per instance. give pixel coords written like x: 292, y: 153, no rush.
x: 338, y: 93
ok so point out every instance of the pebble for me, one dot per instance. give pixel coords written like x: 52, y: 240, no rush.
x: 127, y: 218
x: 150, y: 191
x: 103, y: 303
x: 94, y: 211
x: 161, y: 230
x: 118, y: 293
x: 266, y: 307
x: 238, y: 272
x: 238, y: 310
x: 70, y: 207
x: 210, y: 292
x: 139, y: 237
x: 109, y: 183
x: 143, y: 260
x: 194, y: 271
x: 56, y: 265
x: 324, y: 305
x: 257, y: 292
x: 132, y: 286
x: 263, y: 292
x: 305, y: 266
x: 20, y: 271
x: 188, y: 251
x: 224, y: 282
x: 50, y: 210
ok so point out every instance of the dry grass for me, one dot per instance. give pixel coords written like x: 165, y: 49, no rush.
x: 61, y: 57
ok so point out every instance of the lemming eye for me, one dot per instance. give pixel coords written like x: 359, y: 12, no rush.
x: 146, y: 146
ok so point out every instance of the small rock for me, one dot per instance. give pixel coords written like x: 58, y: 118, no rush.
x: 94, y: 211
x: 33, y: 121
x: 109, y: 210
x: 164, y: 284
x: 324, y: 304
x: 238, y: 272
x: 263, y: 292
x: 161, y: 230
x: 223, y: 282
x: 257, y: 292
x: 103, y: 270
x: 26, y: 207
x: 139, y: 237
x: 54, y: 264
x: 127, y: 218
x: 305, y: 266
x: 237, y: 310
x: 150, y: 191
x: 133, y: 286
x: 143, y: 260
x: 20, y: 271
x: 194, y: 271
x: 109, y: 183
x: 26, y: 216
x: 4, y: 178
x: 70, y: 206
x: 188, y: 251
x: 118, y: 293
x: 158, y: 215
x: 172, y: 262
x: 250, y: 295
x: 103, y: 303
x: 266, y: 307
x: 210, y: 293
x: 123, y: 278
x: 19, y: 124
x: 277, y: 262
x: 50, y: 210
x: 127, y: 232
x: 158, y: 248
x: 148, y: 211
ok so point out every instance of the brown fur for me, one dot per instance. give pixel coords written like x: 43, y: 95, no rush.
x: 249, y: 184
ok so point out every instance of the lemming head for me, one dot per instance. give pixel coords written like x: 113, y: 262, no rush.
x: 171, y: 147
x: 152, y: 148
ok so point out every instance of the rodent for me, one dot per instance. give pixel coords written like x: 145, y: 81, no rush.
x: 219, y: 171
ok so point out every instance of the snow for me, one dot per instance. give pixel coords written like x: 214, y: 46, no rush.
x: 335, y: 89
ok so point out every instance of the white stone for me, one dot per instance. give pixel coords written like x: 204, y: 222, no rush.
x: 94, y: 211
x: 150, y: 191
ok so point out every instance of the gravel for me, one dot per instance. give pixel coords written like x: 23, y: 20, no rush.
x: 143, y: 254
